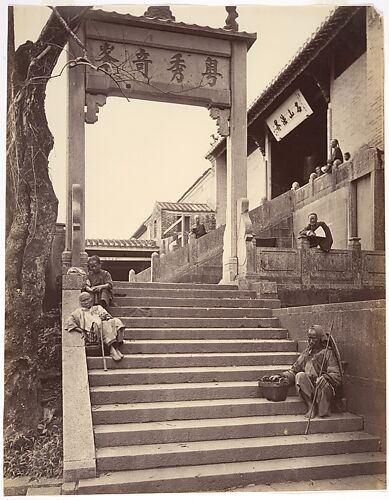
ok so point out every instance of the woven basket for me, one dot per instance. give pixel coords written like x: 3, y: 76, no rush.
x: 274, y: 391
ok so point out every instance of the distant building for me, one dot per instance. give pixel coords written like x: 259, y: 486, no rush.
x: 173, y: 221
x: 119, y: 256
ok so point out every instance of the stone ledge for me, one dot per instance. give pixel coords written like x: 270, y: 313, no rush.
x: 340, y: 306
x: 78, y: 441
x: 18, y: 486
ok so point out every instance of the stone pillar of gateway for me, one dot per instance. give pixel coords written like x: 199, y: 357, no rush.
x: 153, y: 57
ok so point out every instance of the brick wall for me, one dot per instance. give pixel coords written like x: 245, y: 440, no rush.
x: 349, y: 106
x: 168, y: 218
x: 375, y: 78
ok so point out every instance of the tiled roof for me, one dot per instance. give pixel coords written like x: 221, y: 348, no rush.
x: 169, y: 25
x: 315, y: 44
x: 324, y: 34
x: 183, y: 207
x: 113, y: 243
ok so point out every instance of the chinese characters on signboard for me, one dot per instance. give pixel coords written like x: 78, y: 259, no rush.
x: 289, y: 115
x: 154, y: 65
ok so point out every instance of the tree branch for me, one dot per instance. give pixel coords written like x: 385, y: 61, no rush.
x: 68, y: 29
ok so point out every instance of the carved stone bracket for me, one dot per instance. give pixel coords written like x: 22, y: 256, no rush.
x: 93, y: 103
x: 222, y: 117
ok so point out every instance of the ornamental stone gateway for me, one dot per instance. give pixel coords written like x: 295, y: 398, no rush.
x: 152, y: 57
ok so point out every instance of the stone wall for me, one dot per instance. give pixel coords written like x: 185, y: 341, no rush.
x: 359, y: 331
x: 349, y: 106
x: 375, y: 78
x: 332, y: 208
x: 198, y: 262
x: 330, y: 197
x: 274, y: 219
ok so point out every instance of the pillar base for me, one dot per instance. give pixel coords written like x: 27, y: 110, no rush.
x: 230, y: 271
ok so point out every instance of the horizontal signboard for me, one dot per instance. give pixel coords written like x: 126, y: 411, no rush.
x: 289, y: 115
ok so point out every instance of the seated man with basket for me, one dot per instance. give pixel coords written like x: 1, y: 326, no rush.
x: 317, y: 373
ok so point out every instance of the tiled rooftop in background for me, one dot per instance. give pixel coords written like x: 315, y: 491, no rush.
x: 114, y: 243
x: 184, y: 207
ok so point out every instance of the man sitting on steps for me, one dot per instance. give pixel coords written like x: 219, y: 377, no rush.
x: 93, y: 322
x: 316, y: 368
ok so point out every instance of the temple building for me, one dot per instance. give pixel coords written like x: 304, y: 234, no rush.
x: 331, y: 89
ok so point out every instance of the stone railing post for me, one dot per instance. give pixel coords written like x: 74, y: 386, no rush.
x: 354, y: 245
x: 162, y: 265
x: 304, y: 251
x: 155, y: 267
x: 246, y: 245
x: 312, y: 178
x: 132, y: 276
x: 193, y: 249
x: 303, y: 242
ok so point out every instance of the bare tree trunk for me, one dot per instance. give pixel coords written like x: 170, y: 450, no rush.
x: 31, y: 214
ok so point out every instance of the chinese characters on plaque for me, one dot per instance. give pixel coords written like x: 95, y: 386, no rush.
x: 158, y: 66
x: 289, y: 115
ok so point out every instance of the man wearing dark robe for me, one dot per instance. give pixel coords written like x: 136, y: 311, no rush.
x: 199, y: 229
x: 324, y: 242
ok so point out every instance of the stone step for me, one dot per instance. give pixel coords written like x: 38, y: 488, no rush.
x: 195, y: 359
x: 183, y: 292
x: 233, y: 450
x: 170, y: 322
x: 205, y: 333
x: 175, y: 431
x: 192, y: 312
x: 206, y: 345
x: 189, y: 410
x: 146, y: 393
x: 219, y: 477
x: 163, y: 286
x: 195, y: 302
x: 123, y: 376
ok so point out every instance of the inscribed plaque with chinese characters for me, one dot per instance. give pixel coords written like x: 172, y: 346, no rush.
x: 289, y: 115
x: 163, y: 66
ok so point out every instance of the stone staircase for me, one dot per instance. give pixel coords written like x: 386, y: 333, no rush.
x: 182, y: 411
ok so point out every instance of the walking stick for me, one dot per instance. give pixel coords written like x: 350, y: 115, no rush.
x: 102, y: 350
x: 316, y: 388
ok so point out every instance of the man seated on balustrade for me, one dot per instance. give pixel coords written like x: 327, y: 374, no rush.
x: 317, y: 370
x: 94, y: 323
x: 324, y: 242
x: 99, y: 283
x: 199, y: 229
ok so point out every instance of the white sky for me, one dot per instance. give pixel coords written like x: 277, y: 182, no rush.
x: 141, y: 151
